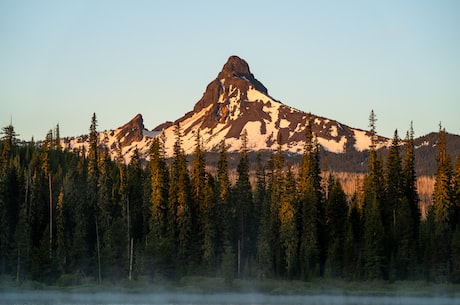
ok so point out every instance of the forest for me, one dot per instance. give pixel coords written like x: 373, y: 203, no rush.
x: 73, y: 216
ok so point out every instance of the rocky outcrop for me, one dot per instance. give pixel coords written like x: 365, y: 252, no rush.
x: 131, y: 131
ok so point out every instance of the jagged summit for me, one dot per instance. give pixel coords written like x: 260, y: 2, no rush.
x: 131, y: 131
x: 235, y: 100
x: 235, y: 74
x: 236, y: 67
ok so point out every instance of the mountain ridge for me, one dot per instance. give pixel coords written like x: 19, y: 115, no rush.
x: 235, y: 101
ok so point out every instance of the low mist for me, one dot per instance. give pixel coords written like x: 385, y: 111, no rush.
x: 105, y: 298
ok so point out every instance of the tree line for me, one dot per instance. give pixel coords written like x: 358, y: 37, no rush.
x: 71, y: 216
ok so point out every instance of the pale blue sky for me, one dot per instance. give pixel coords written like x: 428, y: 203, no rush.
x: 60, y: 61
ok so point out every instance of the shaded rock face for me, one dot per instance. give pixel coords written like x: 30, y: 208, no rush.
x: 131, y: 131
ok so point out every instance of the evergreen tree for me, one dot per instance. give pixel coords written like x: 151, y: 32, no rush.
x: 392, y: 208
x: 410, y: 194
x: 133, y: 213
x: 61, y: 240
x: 443, y: 211
x: 276, y: 192
x: 180, y: 207
x: 336, y: 220
x: 373, y: 209
x: 262, y: 205
x: 94, y: 241
x: 160, y: 240
x: 244, y: 207
x: 353, y: 257
x: 199, y: 209
x: 208, y: 225
x: 224, y: 215
x: 311, y: 243
x: 289, y: 239
x: 8, y: 206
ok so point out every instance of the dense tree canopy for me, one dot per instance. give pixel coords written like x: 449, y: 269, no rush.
x: 82, y: 215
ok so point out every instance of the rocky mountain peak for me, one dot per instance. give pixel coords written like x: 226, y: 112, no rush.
x: 235, y: 66
x: 234, y: 77
x: 131, y: 131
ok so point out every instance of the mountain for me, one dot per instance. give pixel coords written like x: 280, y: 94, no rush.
x: 124, y: 139
x: 235, y: 101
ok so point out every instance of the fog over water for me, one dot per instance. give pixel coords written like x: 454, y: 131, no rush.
x: 60, y: 298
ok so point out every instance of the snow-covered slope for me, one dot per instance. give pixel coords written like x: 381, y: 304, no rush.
x: 124, y: 139
x: 236, y: 101
x: 233, y: 102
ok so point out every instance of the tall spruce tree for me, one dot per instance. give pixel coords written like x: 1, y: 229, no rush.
x: 276, y: 192
x: 311, y: 207
x: 261, y: 203
x: 288, y: 234
x: 224, y: 214
x: 160, y: 241
x: 336, y: 215
x: 199, y: 209
x: 375, y: 264
x: 180, y: 206
x: 443, y: 211
x: 244, y: 207
x: 7, y: 203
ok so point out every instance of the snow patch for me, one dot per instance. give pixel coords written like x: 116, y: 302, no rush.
x: 284, y: 123
x: 424, y: 143
x: 256, y: 140
x: 333, y: 131
x: 333, y: 145
x: 363, y: 141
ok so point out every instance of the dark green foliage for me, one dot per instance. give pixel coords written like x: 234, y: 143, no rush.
x: 311, y: 210
x: 70, y: 217
x: 245, y: 232
x: 336, y: 220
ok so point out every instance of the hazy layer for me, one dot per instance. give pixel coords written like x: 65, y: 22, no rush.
x: 48, y: 297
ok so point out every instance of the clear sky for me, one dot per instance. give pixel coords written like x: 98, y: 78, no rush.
x: 60, y: 61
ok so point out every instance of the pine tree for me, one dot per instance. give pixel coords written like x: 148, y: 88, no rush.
x: 180, y: 207
x: 353, y: 256
x: 199, y: 209
x: 392, y: 208
x: 133, y: 214
x: 224, y: 215
x: 261, y: 203
x: 407, y: 218
x: 276, y: 192
x: 442, y: 196
x: 244, y: 207
x: 208, y: 225
x: 7, y: 204
x: 311, y: 243
x: 61, y: 242
x: 443, y: 211
x: 160, y: 238
x: 375, y: 265
x: 336, y: 220
x: 289, y: 239
x: 410, y: 185
x: 92, y: 193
